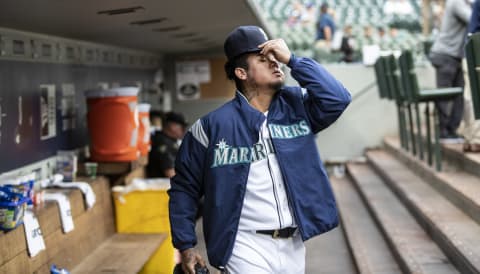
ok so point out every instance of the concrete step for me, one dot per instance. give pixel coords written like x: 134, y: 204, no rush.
x: 452, y: 154
x: 455, y: 232
x: 460, y: 187
x: 413, y: 248
x: 371, y: 252
x: 468, y: 161
x: 328, y: 253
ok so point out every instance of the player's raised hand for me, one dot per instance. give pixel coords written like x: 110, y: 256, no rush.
x: 276, y: 50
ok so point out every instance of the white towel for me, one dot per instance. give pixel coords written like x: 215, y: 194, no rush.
x: 33, y: 233
x: 64, y: 207
x: 85, y: 188
x: 57, y: 181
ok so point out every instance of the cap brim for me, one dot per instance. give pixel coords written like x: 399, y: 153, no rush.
x: 245, y: 52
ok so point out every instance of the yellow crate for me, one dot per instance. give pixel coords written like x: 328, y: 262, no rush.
x: 142, y: 212
x: 146, y: 211
x: 162, y: 261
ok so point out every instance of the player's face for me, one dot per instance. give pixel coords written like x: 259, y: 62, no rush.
x: 176, y: 130
x: 264, y: 73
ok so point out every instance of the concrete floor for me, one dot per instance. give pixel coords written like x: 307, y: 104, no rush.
x: 326, y: 254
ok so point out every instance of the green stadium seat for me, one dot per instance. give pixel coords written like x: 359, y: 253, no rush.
x: 357, y: 13
x: 389, y: 87
x: 472, y: 50
x: 415, y: 95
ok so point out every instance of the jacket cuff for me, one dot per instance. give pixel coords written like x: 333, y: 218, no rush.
x: 293, y: 61
x: 184, y: 247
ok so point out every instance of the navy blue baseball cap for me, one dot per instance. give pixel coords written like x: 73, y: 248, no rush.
x: 244, y: 39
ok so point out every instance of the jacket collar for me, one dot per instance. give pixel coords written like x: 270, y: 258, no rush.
x: 252, y: 116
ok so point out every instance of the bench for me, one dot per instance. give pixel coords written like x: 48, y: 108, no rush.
x: 121, y: 253
x: 94, y: 234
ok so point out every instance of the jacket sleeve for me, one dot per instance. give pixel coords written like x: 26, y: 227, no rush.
x: 326, y: 98
x: 186, y: 190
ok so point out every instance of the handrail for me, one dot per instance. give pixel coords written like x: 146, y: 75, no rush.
x: 364, y: 90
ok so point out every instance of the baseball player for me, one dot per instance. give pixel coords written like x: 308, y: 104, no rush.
x: 255, y: 162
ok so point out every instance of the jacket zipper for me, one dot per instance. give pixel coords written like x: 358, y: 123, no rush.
x: 275, y: 194
x: 287, y: 187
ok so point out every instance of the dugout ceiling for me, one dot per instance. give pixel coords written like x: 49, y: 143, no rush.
x: 158, y: 26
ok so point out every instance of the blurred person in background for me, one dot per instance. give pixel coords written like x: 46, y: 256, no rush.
x: 296, y: 14
x: 308, y: 15
x: 471, y: 128
x: 368, y: 36
x: 437, y: 15
x: 348, y: 45
x: 156, y: 118
x: 383, y: 39
x: 164, y: 146
x: 325, y: 28
x: 446, y: 56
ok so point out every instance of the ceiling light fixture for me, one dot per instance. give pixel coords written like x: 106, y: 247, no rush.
x: 184, y: 35
x: 149, y: 21
x: 197, y: 39
x: 121, y: 11
x: 167, y: 29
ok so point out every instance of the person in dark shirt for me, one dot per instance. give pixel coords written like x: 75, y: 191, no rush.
x: 161, y: 158
x: 347, y: 47
x: 156, y: 120
x: 325, y: 28
x: 446, y: 56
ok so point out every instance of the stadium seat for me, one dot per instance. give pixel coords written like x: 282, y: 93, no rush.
x: 357, y: 13
x: 389, y: 87
x: 472, y: 50
x: 416, y: 95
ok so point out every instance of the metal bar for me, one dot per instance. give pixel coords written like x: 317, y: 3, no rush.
x: 419, y: 131
x: 412, y: 134
x: 429, y: 135
x: 438, y: 149
x: 405, y: 130
x: 401, y: 126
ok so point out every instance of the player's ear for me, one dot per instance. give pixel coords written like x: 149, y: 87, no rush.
x: 241, y: 73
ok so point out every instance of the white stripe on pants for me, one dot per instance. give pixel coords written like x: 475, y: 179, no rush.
x: 262, y: 254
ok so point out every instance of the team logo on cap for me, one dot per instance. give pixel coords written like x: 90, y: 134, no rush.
x: 263, y: 32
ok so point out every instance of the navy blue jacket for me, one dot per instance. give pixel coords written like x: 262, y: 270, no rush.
x: 215, y: 155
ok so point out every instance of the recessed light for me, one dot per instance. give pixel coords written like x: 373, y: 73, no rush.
x: 149, y: 21
x: 167, y: 29
x: 184, y: 35
x: 198, y: 39
x: 121, y: 11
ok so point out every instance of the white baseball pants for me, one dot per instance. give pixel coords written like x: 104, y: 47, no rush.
x: 262, y: 254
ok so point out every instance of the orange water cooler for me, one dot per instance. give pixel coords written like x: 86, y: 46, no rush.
x: 144, y: 129
x: 113, y: 124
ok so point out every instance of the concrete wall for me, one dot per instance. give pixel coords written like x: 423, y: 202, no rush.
x: 367, y: 119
